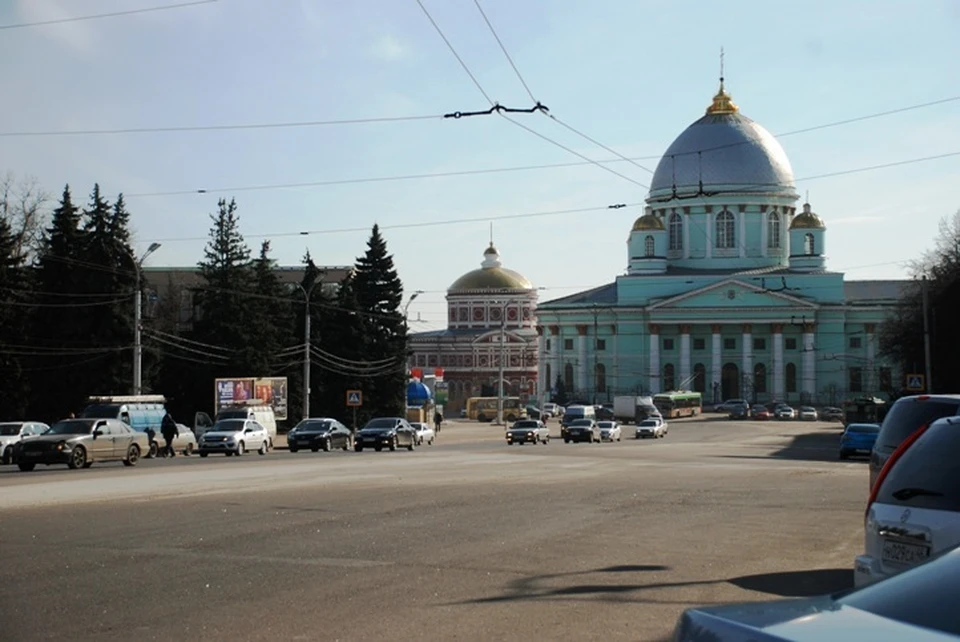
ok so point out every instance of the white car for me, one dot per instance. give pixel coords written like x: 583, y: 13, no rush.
x: 784, y: 412
x: 808, y: 413
x: 913, y: 512
x: 425, y: 433
x: 651, y: 427
x: 12, y: 432
x: 609, y: 430
x: 234, y: 437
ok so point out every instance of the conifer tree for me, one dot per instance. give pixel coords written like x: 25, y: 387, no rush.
x: 271, y: 322
x: 14, y: 299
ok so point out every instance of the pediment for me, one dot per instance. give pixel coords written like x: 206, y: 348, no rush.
x: 732, y: 294
x: 493, y: 337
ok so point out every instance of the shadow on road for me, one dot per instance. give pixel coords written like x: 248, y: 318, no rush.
x: 811, y: 446
x: 798, y: 583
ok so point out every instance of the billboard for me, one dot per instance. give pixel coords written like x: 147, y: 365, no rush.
x: 251, y: 391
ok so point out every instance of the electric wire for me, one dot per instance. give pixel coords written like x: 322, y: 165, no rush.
x: 454, y: 52
x: 176, y: 337
x: 504, y: 50
x: 112, y: 14
x: 179, y: 346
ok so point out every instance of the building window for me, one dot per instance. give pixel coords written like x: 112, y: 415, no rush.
x: 700, y: 378
x: 600, y: 374
x: 699, y: 344
x: 568, y: 344
x: 856, y: 379
x: 676, y: 232
x: 668, y: 344
x: 548, y: 377
x: 759, y: 344
x: 726, y: 238
x: 568, y: 377
x: 886, y: 380
x: 808, y: 244
x: 729, y: 344
x: 760, y: 378
x: 791, y: 377
x: 855, y: 342
x: 649, y: 248
x: 668, y: 378
x: 773, y: 231
x: 790, y: 343
x: 601, y: 344
x: 548, y: 345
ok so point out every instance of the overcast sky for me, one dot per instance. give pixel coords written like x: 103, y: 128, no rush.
x: 630, y: 74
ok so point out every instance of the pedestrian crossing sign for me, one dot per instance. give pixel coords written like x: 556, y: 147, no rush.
x: 915, y: 382
x: 354, y: 398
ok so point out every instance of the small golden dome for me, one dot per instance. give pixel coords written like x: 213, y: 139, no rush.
x: 807, y: 220
x: 722, y: 103
x: 648, y: 222
x: 491, y: 276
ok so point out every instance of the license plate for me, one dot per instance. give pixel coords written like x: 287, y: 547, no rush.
x: 906, y: 554
x: 369, y: 440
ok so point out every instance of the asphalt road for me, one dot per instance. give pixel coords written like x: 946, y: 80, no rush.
x: 469, y: 539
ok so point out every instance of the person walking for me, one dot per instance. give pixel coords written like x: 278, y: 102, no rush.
x: 437, y: 420
x: 168, y: 428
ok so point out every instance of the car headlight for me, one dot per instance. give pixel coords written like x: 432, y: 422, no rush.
x: 61, y: 445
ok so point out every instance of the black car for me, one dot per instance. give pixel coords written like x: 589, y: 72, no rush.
x: 582, y: 430
x: 317, y: 434
x: 392, y: 432
x: 739, y: 411
x: 604, y: 413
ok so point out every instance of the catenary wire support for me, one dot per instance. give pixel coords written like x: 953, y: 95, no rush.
x: 500, y: 109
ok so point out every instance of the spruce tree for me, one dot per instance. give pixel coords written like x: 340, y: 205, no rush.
x: 14, y: 299
x: 271, y: 323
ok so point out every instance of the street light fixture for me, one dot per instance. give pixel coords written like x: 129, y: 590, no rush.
x: 307, y: 361
x: 413, y: 296
x: 137, y: 342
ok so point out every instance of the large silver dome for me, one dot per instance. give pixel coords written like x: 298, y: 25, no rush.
x: 722, y: 152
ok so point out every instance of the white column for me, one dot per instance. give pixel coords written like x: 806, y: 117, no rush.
x: 686, y: 235
x: 655, y: 377
x: 616, y: 360
x: 684, y: 382
x: 809, y: 384
x: 555, y: 361
x: 708, y: 224
x: 581, y: 358
x: 871, y: 378
x: 764, y: 229
x: 716, y: 367
x: 742, y: 235
x: 778, y: 387
x: 746, y: 364
x: 542, y: 383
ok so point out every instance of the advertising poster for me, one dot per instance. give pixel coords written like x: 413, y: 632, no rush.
x: 250, y: 391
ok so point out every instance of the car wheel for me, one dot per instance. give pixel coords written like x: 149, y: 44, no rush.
x: 292, y: 449
x: 430, y: 443
x: 314, y: 448
x: 566, y: 441
x: 203, y: 454
x: 326, y: 445
x: 346, y: 445
x: 412, y: 444
x: 844, y: 455
x: 7, y: 455
x: 240, y: 449
x: 188, y: 450
x: 26, y: 466
x: 263, y: 449
x: 133, y: 455
x: 154, y: 450
x: 78, y: 457
x: 378, y: 447
x: 358, y: 448
x: 393, y: 444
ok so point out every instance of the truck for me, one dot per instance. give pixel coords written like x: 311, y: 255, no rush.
x: 625, y: 407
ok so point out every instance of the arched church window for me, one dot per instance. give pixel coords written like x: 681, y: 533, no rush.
x: 808, y: 245
x: 649, y: 249
x: 726, y: 239
x: 773, y: 230
x: 676, y: 231
x: 669, y: 382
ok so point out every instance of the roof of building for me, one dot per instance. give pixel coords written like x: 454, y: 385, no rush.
x: 647, y: 222
x: 807, y: 220
x: 875, y: 291
x: 491, y: 276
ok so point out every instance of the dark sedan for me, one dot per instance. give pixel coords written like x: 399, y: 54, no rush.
x: 583, y: 430
x: 389, y: 432
x: 319, y: 434
x: 80, y: 442
x: 739, y: 411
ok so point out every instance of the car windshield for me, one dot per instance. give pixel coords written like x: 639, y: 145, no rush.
x: 8, y: 430
x: 606, y: 424
x: 312, y: 426
x: 909, y: 414
x: 526, y: 424
x: 71, y: 427
x: 649, y: 422
x: 582, y: 422
x: 380, y: 423
x: 233, y: 414
x: 229, y: 425
x: 864, y: 428
x: 808, y: 409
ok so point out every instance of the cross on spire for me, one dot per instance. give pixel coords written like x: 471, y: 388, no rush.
x: 721, y: 65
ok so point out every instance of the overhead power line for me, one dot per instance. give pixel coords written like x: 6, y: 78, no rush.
x: 455, y: 54
x: 113, y: 14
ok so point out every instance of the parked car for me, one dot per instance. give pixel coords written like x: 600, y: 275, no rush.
x: 807, y: 413
x: 531, y: 431
x: 759, y: 412
x: 582, y: 430
x: 425, y: 432
x: 79, y: 443
x: 728, y: 404
x: 534, y: 413
x: 553, y: 409
x: 609, y: 430
x: 905, y: 416
x: 319, y: 433
x: 831, y: 413
x: 914, y: 509
x: 783, y: 411
x: 858, y: 439
x: 185, y: 441
x: 389, y: 432
x: 12, y: 432
x: 651, y: 427
x: 917, y: 605
x: 739, y: 411
x: 605, y: 413
x: 234, y: 437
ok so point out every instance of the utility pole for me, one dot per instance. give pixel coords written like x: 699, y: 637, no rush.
x: 137, y: 322
x: 596, y: 341
x: 926, y: 339
x: 503, y: 327
x: 307, y: 360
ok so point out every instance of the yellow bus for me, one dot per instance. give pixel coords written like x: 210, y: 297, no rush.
x: 485, y: 408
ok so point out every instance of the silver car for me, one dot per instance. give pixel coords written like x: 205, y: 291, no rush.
x: 652, y: 427
x: 80, y: 442
x: 12, y: 432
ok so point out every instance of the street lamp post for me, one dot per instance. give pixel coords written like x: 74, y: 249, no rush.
x: 413, y: 296
x: 137, y: 343
x: 307, y: 361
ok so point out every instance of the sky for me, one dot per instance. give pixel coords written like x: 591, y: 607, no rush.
x: 632, y: 75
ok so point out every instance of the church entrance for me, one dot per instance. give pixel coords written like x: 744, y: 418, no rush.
x: 730, y: 381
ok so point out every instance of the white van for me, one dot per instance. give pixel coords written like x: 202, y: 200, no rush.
x: 573, y: 413
x: 263, y: 415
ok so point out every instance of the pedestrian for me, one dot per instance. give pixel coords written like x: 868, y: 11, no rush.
x: 168, y: 428
x: 437, y: 420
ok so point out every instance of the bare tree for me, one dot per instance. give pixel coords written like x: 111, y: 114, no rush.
x: 23, y: 205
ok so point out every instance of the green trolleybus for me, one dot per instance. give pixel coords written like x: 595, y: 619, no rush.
x: 678, y: 403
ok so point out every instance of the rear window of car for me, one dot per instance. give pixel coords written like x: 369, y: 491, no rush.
x: 926, y: 474
x: 909, y: 414
x: 864, y: 428
x: 582, y: 422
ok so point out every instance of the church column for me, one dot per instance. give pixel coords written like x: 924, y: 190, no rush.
x: 581, y: 358
x: 742, y: 233
x: 746, y: 363
x: 555, y: 367
x: 809, y: 384
x: 778, y: 387
x: 764, y: 230
x: 616, y: 359
x: 871, y: 378
x: 685, y: 218
x: 684, y: 381
x: 542, y: 383
x: 708, y: 220
x: 654, y: 358
x: 715, y: 365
